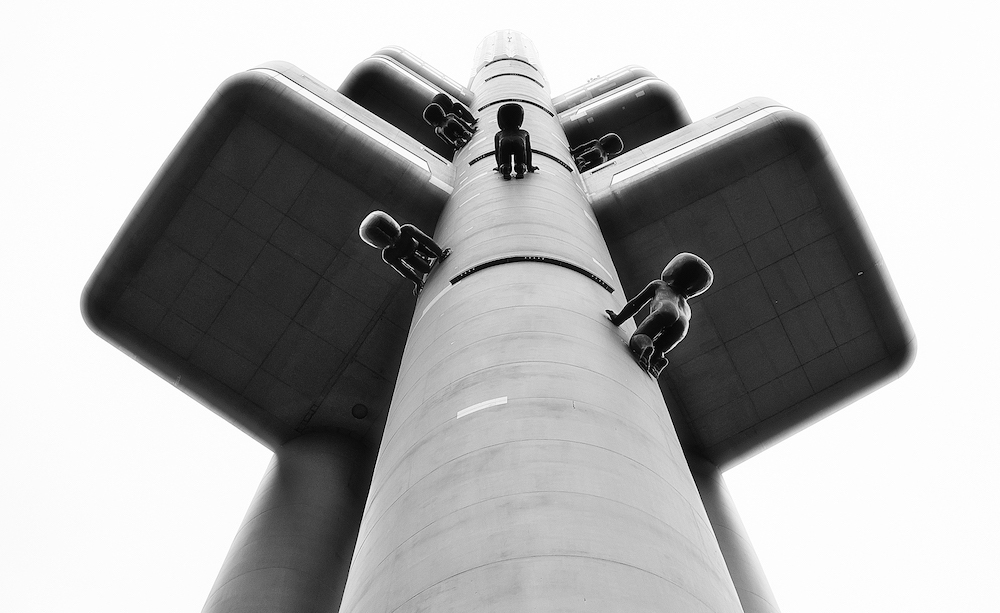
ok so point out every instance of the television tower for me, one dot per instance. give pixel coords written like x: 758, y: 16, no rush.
x: 493, y: 444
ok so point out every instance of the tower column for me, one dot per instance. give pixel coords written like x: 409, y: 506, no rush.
x: 291, y: 553
x: 744, y: 566
x: 528, y: 463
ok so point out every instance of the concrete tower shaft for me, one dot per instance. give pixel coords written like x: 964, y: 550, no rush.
x: 504, y: 45
x: 527, y: 463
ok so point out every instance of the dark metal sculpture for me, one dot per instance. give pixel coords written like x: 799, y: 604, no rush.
x: 594, y: 153
x: 457, y: 109
x: 684, y: 277
x: 511, y: 142
x: 447, y: 126
x: 406, y: 248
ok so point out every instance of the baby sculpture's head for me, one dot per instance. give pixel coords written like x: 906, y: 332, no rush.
x: 510, y: 116
x: 688, y: 275
x: 443, y: 100
x: 434, y: 114
x: 611, y: 143
x: 379, y: 230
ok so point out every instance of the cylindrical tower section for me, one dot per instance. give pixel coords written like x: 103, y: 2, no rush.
x: 528, y: 463
x: 292, y: 553
x: 504, y: 45
x: 744, y: 566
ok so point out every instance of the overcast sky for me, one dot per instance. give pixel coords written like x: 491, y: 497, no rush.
x: 122, y: 494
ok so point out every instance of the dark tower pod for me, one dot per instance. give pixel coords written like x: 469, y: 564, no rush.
x: 599, y: 86
x: 802, y: 317
x: 428, y: 73
x: 524, y: 459
x: 396, y: 94
x: 638, y: 111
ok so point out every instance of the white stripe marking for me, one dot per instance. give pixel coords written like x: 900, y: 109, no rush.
x: 482, y: 405
x: 469, y: 199
x: 602, y: 267
x: 433, y: 300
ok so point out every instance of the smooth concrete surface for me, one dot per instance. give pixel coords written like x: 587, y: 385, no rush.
x: 292, y: 552
x: 528, y: 463
x: 741, y: 559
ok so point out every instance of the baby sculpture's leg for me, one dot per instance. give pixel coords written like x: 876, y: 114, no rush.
x: 669, y: 337
x: 656, y: 365
x: 520, y: 166
x: 642, y: 346
x: 506, y: 152
x: 641, y: 342
x: 666, y: 340
x: 655, y: 326
x: 418, y: 263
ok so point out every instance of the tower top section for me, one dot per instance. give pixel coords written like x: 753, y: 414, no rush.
x: 505, y: 44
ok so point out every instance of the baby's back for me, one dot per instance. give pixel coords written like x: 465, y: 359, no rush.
x: 665, y: 299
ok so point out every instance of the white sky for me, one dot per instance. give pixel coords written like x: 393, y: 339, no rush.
x: 121, y: 494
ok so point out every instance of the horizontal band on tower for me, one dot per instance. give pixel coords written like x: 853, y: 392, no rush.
x: 514, y: 74
x: 482, y: 157
x: 510, y: 59
x: 544, y: 259
x: 486, y: 106
x: 554, y: 159
x: 535, y: 151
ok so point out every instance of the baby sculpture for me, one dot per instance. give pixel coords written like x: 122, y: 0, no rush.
x: 409, y: 251
x: 511, y: 142
x: 594, y: 153
x: 447, y: 126
x: 684, y: 277
x: 455, y: 108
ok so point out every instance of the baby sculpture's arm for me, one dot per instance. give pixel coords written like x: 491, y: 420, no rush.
x: 409, y: 230
x: 632, y: 306
x: 462, y: 122
x: 463, y: 113
x: 527, y: 152
x: 461, y: 133
x: 580, y: 149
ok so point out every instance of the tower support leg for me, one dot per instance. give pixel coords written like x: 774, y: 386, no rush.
x: 292, y: 553
x: 744, y: 567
